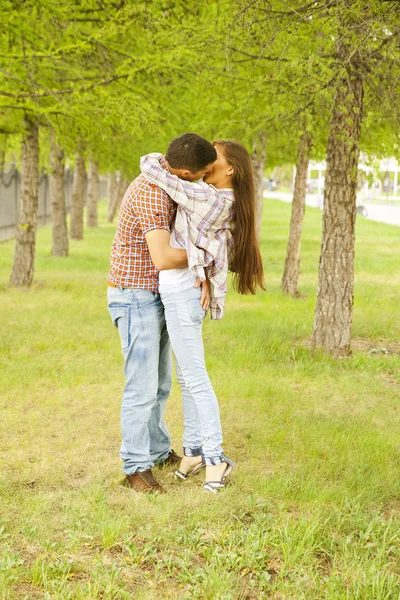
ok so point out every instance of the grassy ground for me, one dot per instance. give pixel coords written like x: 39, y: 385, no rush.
x: 313, y: 508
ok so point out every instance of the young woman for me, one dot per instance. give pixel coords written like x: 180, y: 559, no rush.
x: 215, y: 224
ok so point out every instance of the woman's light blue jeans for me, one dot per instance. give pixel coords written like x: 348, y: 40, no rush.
x: 202, y: 425
x: 139, y: 317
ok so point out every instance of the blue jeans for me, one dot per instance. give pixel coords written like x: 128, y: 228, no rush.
x: 139, y: 317
x: 202, y: 425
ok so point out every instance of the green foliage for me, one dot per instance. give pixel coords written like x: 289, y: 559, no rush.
x: 99, y: 75
x: 291, y: 54
x: 118, y: 80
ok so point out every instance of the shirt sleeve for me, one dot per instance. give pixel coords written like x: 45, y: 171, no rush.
x: 152, y: 209
x: 182, y: 192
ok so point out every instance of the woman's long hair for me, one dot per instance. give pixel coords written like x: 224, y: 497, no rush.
x: 247, y: 263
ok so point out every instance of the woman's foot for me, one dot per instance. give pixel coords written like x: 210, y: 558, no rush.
x: 216, y: 475
x: 189, y: 466
x: 216, y: 472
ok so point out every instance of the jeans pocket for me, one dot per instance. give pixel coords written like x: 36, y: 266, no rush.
x: 196, y: 312
x: 145, y: 298
x: 120, y: 316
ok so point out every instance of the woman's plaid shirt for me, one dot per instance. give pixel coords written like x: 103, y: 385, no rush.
x: 202, y: 225
x: 144, y: 207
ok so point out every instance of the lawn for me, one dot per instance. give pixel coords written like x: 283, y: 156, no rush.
x: 313, y: 507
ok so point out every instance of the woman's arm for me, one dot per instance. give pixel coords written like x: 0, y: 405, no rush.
x: 181, y: 191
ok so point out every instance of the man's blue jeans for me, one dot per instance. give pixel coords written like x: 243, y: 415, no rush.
x: 139, y: 317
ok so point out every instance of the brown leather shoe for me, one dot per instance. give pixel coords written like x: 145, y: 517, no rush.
x: 171, y: 461
x: 144, y: 481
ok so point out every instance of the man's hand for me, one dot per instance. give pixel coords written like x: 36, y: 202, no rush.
x: 205, y: 293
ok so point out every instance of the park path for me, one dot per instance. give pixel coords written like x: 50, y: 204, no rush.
x: 384, y: 213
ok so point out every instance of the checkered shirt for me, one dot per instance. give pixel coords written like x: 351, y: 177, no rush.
x: 144, y: 207
x: 202, y: 225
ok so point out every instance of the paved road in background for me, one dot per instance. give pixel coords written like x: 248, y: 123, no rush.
x: 384, y: 213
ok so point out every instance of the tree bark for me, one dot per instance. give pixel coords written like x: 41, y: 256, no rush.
x: 334, y: 309
x: 258, y: 163
x: 57, y: 195
x: 93, y: 194
x: 120, y: 190
x: 111, y: 195
x: 291, y: 271
x: 122, y: 187
x: 78, y: 198
x: 24, y: 255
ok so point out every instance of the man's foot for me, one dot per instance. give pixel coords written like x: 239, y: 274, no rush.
x: 144, y: 481
x: 171, y: 461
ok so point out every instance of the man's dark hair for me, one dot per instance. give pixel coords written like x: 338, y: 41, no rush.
x: 190, y: 151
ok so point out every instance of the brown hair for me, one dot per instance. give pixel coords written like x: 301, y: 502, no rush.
x: 190, y: 151
x: 247, y: 262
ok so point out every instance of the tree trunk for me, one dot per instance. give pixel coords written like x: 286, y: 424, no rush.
x: 78, y: 199
x: 258, y: 162
x: 24, y: 255
x: 120, y: 190
x: 111, y: 195
x: 58, y: 207
x: 122, y: 187
x: 334, y: 309
x: 93, y: 194
x: 292, y: 264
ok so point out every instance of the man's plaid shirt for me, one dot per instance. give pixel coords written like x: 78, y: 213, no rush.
x: 144, y: 207
x: 202, y: 225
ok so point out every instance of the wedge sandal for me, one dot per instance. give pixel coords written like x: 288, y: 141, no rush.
x: 183, y: 476
x: 215, y: 486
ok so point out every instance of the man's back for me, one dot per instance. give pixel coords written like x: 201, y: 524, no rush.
x: 143, y: 208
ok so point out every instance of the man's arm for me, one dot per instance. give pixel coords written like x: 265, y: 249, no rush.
x: 162, y: 254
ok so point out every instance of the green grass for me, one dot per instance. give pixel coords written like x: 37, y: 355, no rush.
x: 313, y: 507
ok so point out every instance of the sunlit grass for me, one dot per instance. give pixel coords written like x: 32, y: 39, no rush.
x: 313, y: 506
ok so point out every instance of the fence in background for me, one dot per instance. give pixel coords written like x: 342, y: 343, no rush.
x: 10, y: 183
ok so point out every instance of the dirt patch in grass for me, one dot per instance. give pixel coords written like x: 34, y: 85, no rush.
x: 379, y: 347
x: 391, y: 510
x: 27, y: 590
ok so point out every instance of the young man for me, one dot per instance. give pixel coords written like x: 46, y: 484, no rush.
x: 140, y: 249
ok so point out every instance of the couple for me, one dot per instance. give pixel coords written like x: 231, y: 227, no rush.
x: 175, y: 238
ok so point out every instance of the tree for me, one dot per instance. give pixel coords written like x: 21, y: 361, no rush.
x: 334, y: 309
x: 24, y: 254
x: 70, y: 66
x: 258, y: 162
x: 111, y: 196
x: 363, y: 32
x: 78, y: 198
x: 57, y: 195
x: 340, y: 55
x: 291, y: 271
x: 92, y: 194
